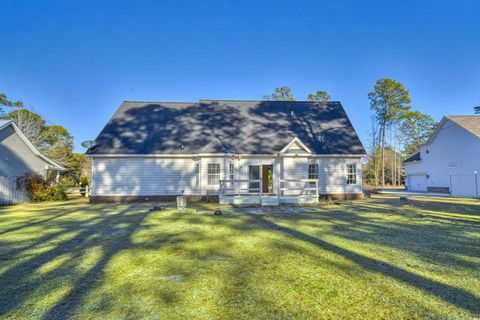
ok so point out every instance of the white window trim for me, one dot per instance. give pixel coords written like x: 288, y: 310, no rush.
x: 231, y: 170
x: 352, y: 176
x: 213, y: 175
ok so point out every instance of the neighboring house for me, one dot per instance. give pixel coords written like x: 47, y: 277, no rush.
x: 264, y: 152
x: 17, y: 157
x: 450, y: 161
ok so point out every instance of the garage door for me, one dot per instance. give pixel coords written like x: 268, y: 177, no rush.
x: 463, y: 185
x: 417, y: 182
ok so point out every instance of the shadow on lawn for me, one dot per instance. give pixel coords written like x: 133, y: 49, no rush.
x: 432, y: 238
x: 448, y: 293
x: 109, y: 233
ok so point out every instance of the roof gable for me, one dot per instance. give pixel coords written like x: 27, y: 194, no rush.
x: 52, y: 164
x: 295, y: 146
x: 469, y: 123
x: 245, y: 127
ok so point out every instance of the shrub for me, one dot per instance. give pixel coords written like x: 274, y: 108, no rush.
x: 83, y: 184
x: 38, y: 189
x: 68, y: 181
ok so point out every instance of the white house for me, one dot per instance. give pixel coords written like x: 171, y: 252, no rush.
x: 264, y: 152
x: 18, y: 156
x: 450, y: 161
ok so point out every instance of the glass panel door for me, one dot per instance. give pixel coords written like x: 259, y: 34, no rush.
x: 254, y: 174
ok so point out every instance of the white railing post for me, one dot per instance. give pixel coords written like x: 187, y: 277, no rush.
x: 476, y: 183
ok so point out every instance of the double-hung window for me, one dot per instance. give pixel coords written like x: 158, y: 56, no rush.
x: 197, y: 173
x: 312, y: 174
x: 213, y: 174
x: 351, y: 174
x: 231, y: 171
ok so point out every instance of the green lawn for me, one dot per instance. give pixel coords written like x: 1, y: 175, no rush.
x: 379, y: 258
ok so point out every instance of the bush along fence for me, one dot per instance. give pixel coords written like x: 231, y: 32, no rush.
x: 11, y: 191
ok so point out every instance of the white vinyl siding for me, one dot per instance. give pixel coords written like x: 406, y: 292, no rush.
x: 332, y: 176
x: 143, y: 176
x: 171, y: 176
x: 294, y: 169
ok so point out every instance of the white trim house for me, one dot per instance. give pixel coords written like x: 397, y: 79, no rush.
x: 450, y: 161
x: 243, y: 152
x: 18, y: 155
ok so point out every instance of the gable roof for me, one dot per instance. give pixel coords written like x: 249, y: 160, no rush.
x: 413, y: 158
x: 53, y: 165
x: 469, y: 123
x: 240, y: 127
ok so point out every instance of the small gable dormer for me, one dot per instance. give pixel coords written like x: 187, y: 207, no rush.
x: 295, y: 146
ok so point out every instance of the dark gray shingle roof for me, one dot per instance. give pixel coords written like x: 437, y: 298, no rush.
x: 218, y: 126
x: 412, y: 158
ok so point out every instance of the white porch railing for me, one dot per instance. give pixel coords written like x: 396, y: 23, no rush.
x: 286, y: 187
x: 238, y: 187
x: 302, y: 187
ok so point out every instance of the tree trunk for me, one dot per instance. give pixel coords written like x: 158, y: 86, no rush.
x: 384, y: 130
x: 394, y: 169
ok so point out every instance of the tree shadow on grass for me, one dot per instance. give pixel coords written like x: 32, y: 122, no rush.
x: 450, y: 294
x: 109, y: 233
x: 52, y: 216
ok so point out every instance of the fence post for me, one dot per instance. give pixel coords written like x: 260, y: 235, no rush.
x: 86, y: 191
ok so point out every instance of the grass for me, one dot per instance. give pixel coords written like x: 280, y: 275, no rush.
x: 373, y: 259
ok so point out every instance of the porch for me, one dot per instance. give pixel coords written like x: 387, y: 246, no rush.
x: 254, y: 192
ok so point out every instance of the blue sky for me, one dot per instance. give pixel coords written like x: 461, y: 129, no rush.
x: 74, y: 62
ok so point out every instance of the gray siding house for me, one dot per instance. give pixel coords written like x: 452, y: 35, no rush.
x: 241, y: 152
x: 18, y: 155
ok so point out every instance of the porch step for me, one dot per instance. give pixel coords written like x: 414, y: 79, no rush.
x: 269, y: 201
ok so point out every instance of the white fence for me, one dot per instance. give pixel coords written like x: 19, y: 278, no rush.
x: 464, y: 185
x: 10, y: 192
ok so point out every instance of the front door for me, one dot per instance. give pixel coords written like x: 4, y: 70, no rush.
x: 267, y: 178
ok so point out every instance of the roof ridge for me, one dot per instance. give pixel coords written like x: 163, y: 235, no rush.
x: 263, y: 100
x: 464, y: 115
x: 229, y: 100
x: 147, y: 101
